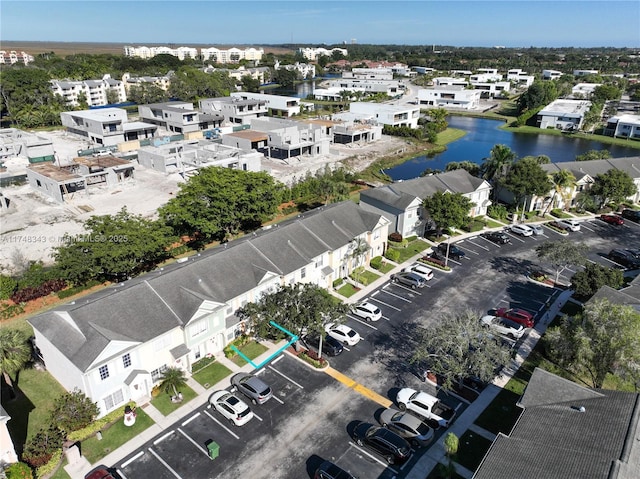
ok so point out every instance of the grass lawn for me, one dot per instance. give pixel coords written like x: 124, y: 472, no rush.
x: 386, y: 267
x: 163, y: 401
x: 251, y: 350
x: 61, y: 473
x: 411, y: 250
x: 491, y: 223
x: 212, y: 374
x: 114, y: 437
x: 449, y: 135
x: 30, y: 410
x: 347, y: 290
x: 364, y: 276
x: 471, y: 450
x: 501, y: 414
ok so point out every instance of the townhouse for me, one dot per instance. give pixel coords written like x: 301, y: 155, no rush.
x: 113, y: 345
x: 178, y: 117
x: 401, y: 203
x: 106, y: 126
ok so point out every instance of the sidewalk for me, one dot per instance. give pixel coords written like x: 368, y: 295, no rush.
x: 80, y: 469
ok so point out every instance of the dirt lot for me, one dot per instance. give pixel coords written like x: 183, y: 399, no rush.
x: 35, y: 224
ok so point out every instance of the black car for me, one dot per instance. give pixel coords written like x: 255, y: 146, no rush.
x: 624, y: 258
x: 633, y: 215
x: 497, y: 237
x: 454, y: 252
x: 328, y: 470
x: 394, y: 448
x: 330, y: 345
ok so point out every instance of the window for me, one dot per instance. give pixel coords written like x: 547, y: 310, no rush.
x: 157, y: 373
x: 161, y: 343
x: 199, y: 328
x: 303, y: 273
x: 104, y: 372
x: 113, y: 400
x: 126, y: 360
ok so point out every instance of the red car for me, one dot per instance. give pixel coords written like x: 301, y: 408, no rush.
x: 612, y: 219
x: 519, y: 316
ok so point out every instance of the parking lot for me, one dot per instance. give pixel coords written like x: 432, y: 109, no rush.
x: 312, y: 413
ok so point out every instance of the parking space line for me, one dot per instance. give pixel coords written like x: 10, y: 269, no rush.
x: 125, y: 464
x: 121, y: 474
x: 469, y: 249
x: 165, y: 464
x: 384, y: 290
x: 190, y: 419
x: 585, y: 227
x: 286, y: 377
x: 515, y: 237
x: 162, y: 438
x: 411, y: 290
x: 490, y: 242
x: 366, y: 323
x: 278, y: 399
x: 478, y: 245
x: 192, y: 441
x: 256, y: 416
x: 222, y: 425
x: 366, y: 392
x: 367, y: 453
x: 372, y: 297
x: 275, y: 361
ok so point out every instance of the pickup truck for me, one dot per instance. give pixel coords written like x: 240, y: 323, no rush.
x: 426, y: 406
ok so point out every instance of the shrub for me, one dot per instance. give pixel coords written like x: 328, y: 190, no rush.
x: 40, y: 448
x: 312, y: 358
x: 438, y: 263
x: 50, y: 467
x: 531, y: 214
x: 73, y: 411
x: 19, y: 470
x: 557, y: 213
x: 338, y: 282
x: 376, y: 262
x: 202, y: 363
x: 392, y: 254
x: 65, y: 293
x: 498, y: 212
x: 395, y: 237
x: 11, y: 311
x: 102, y: 423
x: 8, y: 286
x: 33, y: 292
x: 238, y: 343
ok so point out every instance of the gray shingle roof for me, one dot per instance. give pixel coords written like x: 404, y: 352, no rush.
x: 146, y: 307
x: 631, y: 165
x: 554, y: 439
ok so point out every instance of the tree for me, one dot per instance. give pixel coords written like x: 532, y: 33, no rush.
x: 613, y: 186
x: 604, y: 339
x: 588, y: 281
x: 285, y: 78
x: 458, y: 346
x: 561, y: 254
x: 527, y: 178
x: 538, y: 94
x: 114, y: 248
x: 603, y: 93
x: 562, y: 180
x: 219, y: 202
x: 472, y: 168
x: 172, y: 380
x: 19, y: 470
x: 594, y: 155
x: 250, y: 84
x: 495, y: 167
x: 299, y: 308
x: 448, y: 209
x: 451, y: 444
x: 39, y: 449
x: 15, y: 352
x: 73, y: 411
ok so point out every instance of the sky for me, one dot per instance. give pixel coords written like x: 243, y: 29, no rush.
x: 509, y: 23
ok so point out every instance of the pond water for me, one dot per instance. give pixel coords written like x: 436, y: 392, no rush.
x: 483, y: 134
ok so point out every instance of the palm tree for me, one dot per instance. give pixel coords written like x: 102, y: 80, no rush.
x: 15, y: 351
x: 173, y: 379
x: 359, y: 248
x: 494, y: 168
x: 561, y: 180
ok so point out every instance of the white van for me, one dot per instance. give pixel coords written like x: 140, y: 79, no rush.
x: 522, y: 230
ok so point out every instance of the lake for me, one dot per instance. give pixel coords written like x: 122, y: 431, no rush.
x: 483, y: 134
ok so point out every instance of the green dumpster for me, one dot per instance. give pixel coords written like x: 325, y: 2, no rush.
x: 214, y: 449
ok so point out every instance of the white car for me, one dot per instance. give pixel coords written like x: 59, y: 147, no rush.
x: 343, y: 333
x: 522, y: 230
x: 537, y: 230
x: 503, y: 326
x: 367, y: 311
x: 421, y: 270
x: 231, y: 407
x: 569, y: 224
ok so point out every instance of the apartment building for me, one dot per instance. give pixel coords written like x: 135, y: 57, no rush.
x: 106, y: 126
x: 162, y: 82
x: 392, y: 115
x: 178, y: 117
x: 150, y: 52
x: 285, y: 106
x: 12, y: 57
x: 235, y: 110
x: 624, y: 126
x: 93, y: 92
x: 449, y: 97
x: 231, y: 55
x: 563, y: 114
x: 313, y: 53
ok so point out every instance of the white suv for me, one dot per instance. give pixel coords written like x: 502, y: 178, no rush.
x: 522, y: 230
x: 569, y: 224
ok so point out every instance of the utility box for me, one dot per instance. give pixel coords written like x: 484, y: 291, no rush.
x: 213, y: 448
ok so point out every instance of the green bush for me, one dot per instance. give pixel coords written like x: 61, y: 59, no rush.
x: 65, y: 293
x: 8, y: 286
x: 531, y: 214
x: 238, y: 343
x: 392, y: 254
x: 98, y: 424
x: 498, y: 212
x: 11, y: 311
x: 202, y: 363
x: 474, y: 225
x: 338, y: 282
x: 19, y: 470
x: 48, y: 469
x: 315, y: 362
x: 411, y: 238
x: 375, y: 263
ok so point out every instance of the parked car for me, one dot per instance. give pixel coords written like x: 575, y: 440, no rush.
x: 404, y: 424
x: 633, y: 215
x: 624, y: 258
x: 394, y: 448
x: 612, y: 219
x: 330, y: 345
x: 522, y: 230
x: 367, y: 311
x: 231, y: 407
x: 425, y: 406
x: 420, y: 270
x: 252, y: 386
x: 497, y: 237
x: 569, y: 224
x: 454, y: 252
x: 635, y: 253
x: 103, y: 472
x: 328, y: 470
x: 519, y: 316
x: 503, y: 326
x: 538, y: 230
x: 409, y: 279
x: 343, y: 333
